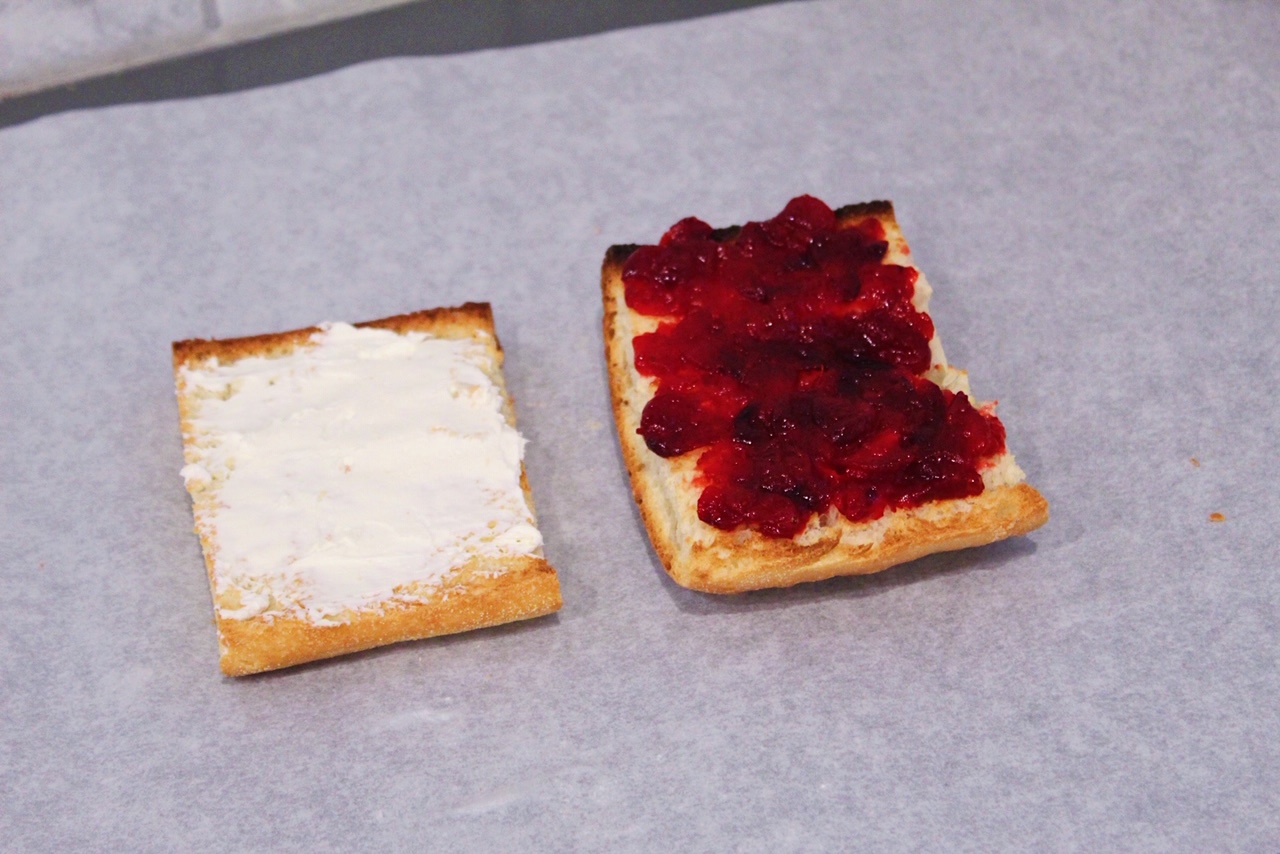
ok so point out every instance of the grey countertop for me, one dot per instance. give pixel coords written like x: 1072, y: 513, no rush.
x: 56, y: 42
x: 54, y: 55
x: 1092, y: 189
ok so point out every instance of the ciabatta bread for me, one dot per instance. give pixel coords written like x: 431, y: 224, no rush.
x: 355, y: 486
x: 706, y: 558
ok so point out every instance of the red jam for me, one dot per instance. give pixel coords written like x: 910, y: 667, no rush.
x: 790, y: 356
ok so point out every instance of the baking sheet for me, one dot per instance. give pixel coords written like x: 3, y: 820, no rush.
x: 1092, y: 190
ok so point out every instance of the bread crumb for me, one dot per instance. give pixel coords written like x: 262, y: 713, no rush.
x: 1217, y: 517
x: 1195, y: 462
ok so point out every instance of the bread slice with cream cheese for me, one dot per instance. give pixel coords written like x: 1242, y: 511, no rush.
x: 702, y: 557
x: 358, y: 485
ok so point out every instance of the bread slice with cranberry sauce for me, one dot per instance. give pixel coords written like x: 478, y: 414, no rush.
x: 785, y: 409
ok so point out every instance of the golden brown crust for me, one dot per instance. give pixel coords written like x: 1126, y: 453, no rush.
x: 704, y: 558
x: 480, y: 594
x: 996, y: 514
x: 458, y: 322
x: 470, y: 599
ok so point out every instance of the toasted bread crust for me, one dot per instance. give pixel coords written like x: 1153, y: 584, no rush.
x: 462, y: 321
x: 701, y: 557
x: 482, y: 593
x: 472, y: 598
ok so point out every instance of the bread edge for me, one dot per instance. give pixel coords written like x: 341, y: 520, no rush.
x: 472, y: 597
x: 735, y: 562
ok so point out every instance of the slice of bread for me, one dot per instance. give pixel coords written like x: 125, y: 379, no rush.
x: 355, y: 486
x: 705, y: 558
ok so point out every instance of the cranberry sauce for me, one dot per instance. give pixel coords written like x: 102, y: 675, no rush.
x: 791, y: 357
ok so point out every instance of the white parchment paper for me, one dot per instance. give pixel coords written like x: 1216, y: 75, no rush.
x: 1092, y: 189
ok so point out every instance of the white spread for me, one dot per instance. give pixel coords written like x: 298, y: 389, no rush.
x: 362, y: 468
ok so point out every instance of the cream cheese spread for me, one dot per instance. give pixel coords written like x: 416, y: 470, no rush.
x: 361, y: 468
